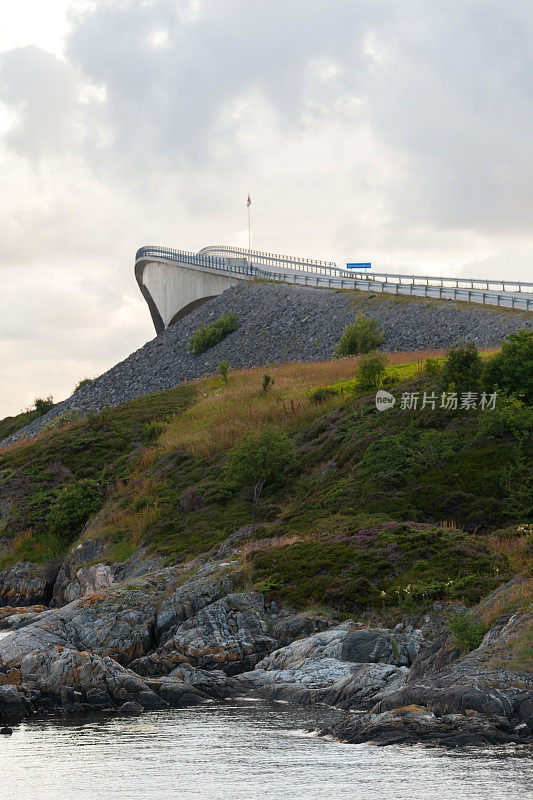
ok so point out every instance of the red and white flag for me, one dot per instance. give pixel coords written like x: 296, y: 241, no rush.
x: 249, y: 202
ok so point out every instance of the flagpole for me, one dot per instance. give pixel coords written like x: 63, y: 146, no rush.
x: 249, y: 203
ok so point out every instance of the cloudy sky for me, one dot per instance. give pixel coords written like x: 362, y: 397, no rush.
x: 397, y: 132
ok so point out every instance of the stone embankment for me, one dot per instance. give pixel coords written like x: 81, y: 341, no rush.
x: 135, y: 636
x: 281, y: 323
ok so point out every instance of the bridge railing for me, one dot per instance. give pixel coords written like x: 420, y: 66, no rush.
x: 314, y: 275
x: 488, y: 285
x: 275, y: 259
x: 411, y: 289
x: 198, y: 259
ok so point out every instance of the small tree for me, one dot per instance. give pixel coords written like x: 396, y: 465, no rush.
x: 517, y: 484
x: 43, y: 404
x: 467, y: 631
x: 462, y: 368
x: 363, y: 336
x: 72, y: 508
x: 511, y: 370
x: 267, y: 383
x: 260, y: 460
x: 223, y: 369
x: 371, y: 370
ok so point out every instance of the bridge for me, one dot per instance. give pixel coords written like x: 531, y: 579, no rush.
x: 175, y: 282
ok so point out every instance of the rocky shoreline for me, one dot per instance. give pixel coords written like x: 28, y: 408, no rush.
x: 122, y: 638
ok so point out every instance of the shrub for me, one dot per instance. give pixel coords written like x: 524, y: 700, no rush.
x: 466, y: 631
x: 432, y: 449
x: 517, y: 484
x: 370, y: 371
x: 509, y: 417
x: 511, y: 370
x: 387, y: 454
x: 210, y: 335
x: 223, y: 369
x: 152, y: 430
x: 82, y: 383
x: 66, y: 418
x: 363, y: 336
x: 432, y: 368
x: 260, y: 460
x: 320, y: 395
x: 43, y: 404
x: 462, y: 368
x: 72, y: 508
x: 268, y: 382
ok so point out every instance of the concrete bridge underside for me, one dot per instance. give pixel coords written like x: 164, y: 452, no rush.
x: 173, y: 290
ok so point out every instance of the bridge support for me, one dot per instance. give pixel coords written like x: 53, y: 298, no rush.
x: 173, y: 290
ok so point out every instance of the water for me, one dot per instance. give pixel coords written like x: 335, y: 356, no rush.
x: 242, y: 750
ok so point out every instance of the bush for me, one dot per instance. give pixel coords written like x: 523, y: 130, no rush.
x: 387, y: 454
x: 43, y: 404
x: 320, y: 395
x: 66, y: 418
x: 152, y: 430
x: 432, y: 368
x: 510, y: 417
x: 511, y: 370
x: 517, y: 485
x: 210, y: 335
x: 432, y: 449
x: 462, y: 368
x: 363, y: 336
x: 370, y: 371
x: 72, y: 507
x: 223, y: 369
x: 268, y: 382
x: 260, y: 460
x: 466, y: 631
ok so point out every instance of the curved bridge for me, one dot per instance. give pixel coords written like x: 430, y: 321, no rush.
x: 175, y: 282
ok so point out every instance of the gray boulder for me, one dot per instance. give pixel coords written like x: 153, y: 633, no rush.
x: 27, y: 584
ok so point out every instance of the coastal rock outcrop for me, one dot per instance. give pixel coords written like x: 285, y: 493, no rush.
x: 27, y: 584
x: 174, y: 637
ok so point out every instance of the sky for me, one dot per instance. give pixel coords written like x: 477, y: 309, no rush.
x: 365, y: 130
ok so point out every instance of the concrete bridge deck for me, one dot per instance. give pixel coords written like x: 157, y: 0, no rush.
x: 174, y: 282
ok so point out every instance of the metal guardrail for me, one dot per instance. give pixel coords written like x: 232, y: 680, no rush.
x: 261, y: 257
x: 459, y: 283
x: 196, y: 259
x: 410, y: 290
x: 339, y: 279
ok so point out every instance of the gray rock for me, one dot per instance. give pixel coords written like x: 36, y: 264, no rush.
x: 290, y: 627
x: 96, y: 578
x: 27, y: 584
x: 131, y: 709
x: 230, y: 634
x: 379, y: 645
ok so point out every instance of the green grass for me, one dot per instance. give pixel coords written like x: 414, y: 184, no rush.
x: 99, y: 447
x: 10, y: 425
x: 369, y: 518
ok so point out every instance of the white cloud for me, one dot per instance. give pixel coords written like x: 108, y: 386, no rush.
x: 364, y: 129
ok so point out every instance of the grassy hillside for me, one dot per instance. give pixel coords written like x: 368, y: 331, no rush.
x: 10, y: 425
x: 387, y: 511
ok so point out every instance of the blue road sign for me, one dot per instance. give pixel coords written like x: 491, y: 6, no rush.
x: 358, y: 266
